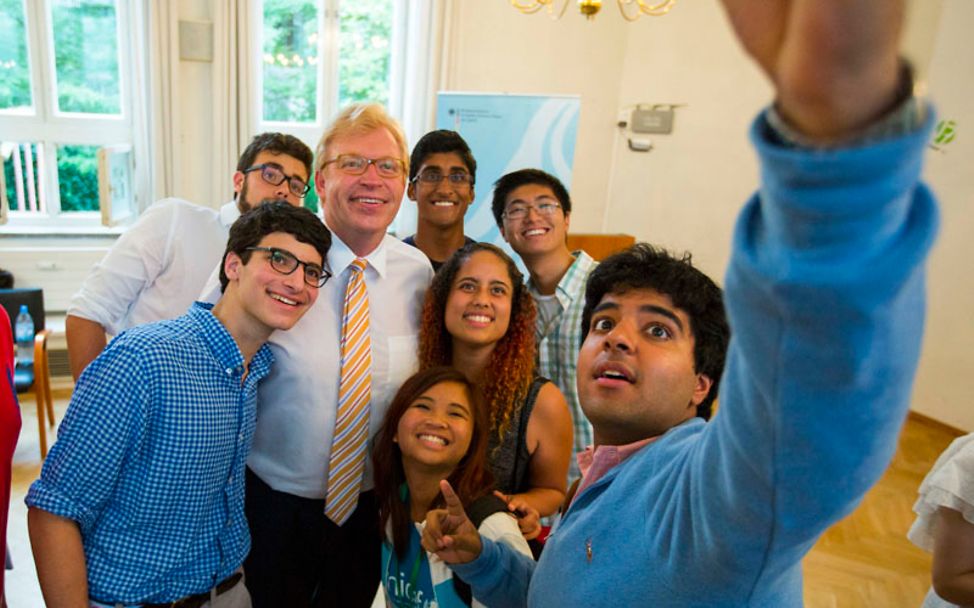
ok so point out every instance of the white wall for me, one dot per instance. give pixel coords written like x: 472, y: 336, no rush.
x: 195, y: 168
x: 686, y: 192
x: 945, y: 385
x: 496, y: 49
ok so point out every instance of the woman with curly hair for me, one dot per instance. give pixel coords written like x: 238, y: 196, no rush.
x: 479, y: 318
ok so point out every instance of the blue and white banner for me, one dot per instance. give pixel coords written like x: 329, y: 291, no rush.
x: 507, y: 133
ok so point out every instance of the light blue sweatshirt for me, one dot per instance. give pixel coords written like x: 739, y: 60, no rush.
x: 825, y: 293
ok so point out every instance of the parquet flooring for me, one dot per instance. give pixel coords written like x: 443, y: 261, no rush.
x: 863, y: 561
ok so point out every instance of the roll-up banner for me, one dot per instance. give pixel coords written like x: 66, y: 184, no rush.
x: 507, y: 133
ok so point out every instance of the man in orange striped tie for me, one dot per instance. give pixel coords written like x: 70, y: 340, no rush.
x: 310, y: 503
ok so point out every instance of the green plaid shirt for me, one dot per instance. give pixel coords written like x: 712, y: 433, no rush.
x: 559, y: 342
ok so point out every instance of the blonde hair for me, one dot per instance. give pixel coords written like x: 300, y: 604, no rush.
x: 359, y: 119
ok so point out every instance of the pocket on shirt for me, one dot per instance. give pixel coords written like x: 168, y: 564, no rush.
x: 403, y: 358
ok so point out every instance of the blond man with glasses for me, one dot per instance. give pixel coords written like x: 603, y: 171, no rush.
x: 309, y: 499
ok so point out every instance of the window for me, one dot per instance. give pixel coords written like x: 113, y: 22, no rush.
x: 316, y: 56
x: 64, y: 97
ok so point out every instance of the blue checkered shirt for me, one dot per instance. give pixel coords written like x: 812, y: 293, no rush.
x: 150, y: 459
x: 559, y: 340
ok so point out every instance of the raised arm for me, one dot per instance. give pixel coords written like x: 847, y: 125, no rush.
x: 825, y: 289
x: 59, y: 558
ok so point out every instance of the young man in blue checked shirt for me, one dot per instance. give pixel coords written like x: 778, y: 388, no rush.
x: 140, y: 502
x: 825, y: 298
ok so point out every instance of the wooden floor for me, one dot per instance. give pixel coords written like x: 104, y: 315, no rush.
x: 863, y: 561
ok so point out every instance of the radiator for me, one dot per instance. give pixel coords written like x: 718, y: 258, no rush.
x: 59, y: 271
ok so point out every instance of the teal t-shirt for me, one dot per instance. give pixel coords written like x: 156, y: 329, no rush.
x: 408, y: 582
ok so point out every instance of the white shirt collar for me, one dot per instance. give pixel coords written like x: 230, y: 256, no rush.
x: 229, y: 213
x: 340, y: 256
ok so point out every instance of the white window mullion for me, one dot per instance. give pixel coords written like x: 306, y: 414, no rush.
x: 329, y: 62
x: 122, y: 23
x: 34, y: 13
x: 48, y: 72
x: 397, y: 59
x: 44, y: 182
x: 257, y: 92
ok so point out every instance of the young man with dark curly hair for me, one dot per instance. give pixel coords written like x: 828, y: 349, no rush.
x: 825, y: 296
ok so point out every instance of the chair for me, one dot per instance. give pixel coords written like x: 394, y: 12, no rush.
x: 600, y: 246
x: 38, y: 375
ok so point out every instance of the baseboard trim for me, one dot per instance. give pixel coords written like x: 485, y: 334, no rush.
x: 923, y: 418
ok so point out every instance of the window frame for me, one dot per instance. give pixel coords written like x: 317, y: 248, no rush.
x: 327, y: 70
x: 47, y: 125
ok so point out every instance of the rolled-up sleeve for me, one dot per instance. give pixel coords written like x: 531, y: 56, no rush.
x: 136, y: 259
x: 104, y: 421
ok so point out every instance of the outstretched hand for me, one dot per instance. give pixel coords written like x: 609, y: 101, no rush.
x: 834, y: 63
x: 528, y: 518
x: 449, y: 533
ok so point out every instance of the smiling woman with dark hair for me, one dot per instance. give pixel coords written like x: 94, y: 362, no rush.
x: 479, y: 318
x: 435, y: 429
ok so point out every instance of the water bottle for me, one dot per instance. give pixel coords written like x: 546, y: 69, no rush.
x: 24, y: 330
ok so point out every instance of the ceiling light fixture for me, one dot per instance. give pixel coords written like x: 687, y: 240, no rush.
x: 631, y: 10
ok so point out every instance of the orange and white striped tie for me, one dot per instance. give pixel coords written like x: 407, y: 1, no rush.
x: 347, y: 462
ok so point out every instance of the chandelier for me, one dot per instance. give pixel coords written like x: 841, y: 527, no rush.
x: 630, y: 9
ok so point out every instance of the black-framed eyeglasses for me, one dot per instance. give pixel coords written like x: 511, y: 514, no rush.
x: 435, y: 177
x: 275, y: 176
x: 353, y: 164
x: 518, y: 211
x: 285, y: 262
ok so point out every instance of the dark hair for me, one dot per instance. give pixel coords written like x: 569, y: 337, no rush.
x: 471, y: 478
x: 510, y: 182
x: 643, y: 266
x: 511, y: 367
x: 441, y: 141
x: 276, y: 143
x: 269, y: 217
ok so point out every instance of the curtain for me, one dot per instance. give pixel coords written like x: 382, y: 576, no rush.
x: 417, y: 74
x: 232, y: 73
x: 157, y: 134
x: 231, y: 93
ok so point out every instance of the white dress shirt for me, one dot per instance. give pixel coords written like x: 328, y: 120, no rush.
x: 156, y: 268
x: 297, y: 402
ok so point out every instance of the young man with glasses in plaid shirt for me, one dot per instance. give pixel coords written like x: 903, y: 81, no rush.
x: 141, y: 501
x: 532, y: 209
x: 155, y: 270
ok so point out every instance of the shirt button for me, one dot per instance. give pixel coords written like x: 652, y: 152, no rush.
x: 229, y: 371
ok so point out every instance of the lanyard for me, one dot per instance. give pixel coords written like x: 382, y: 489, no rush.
x: 414, y: 571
